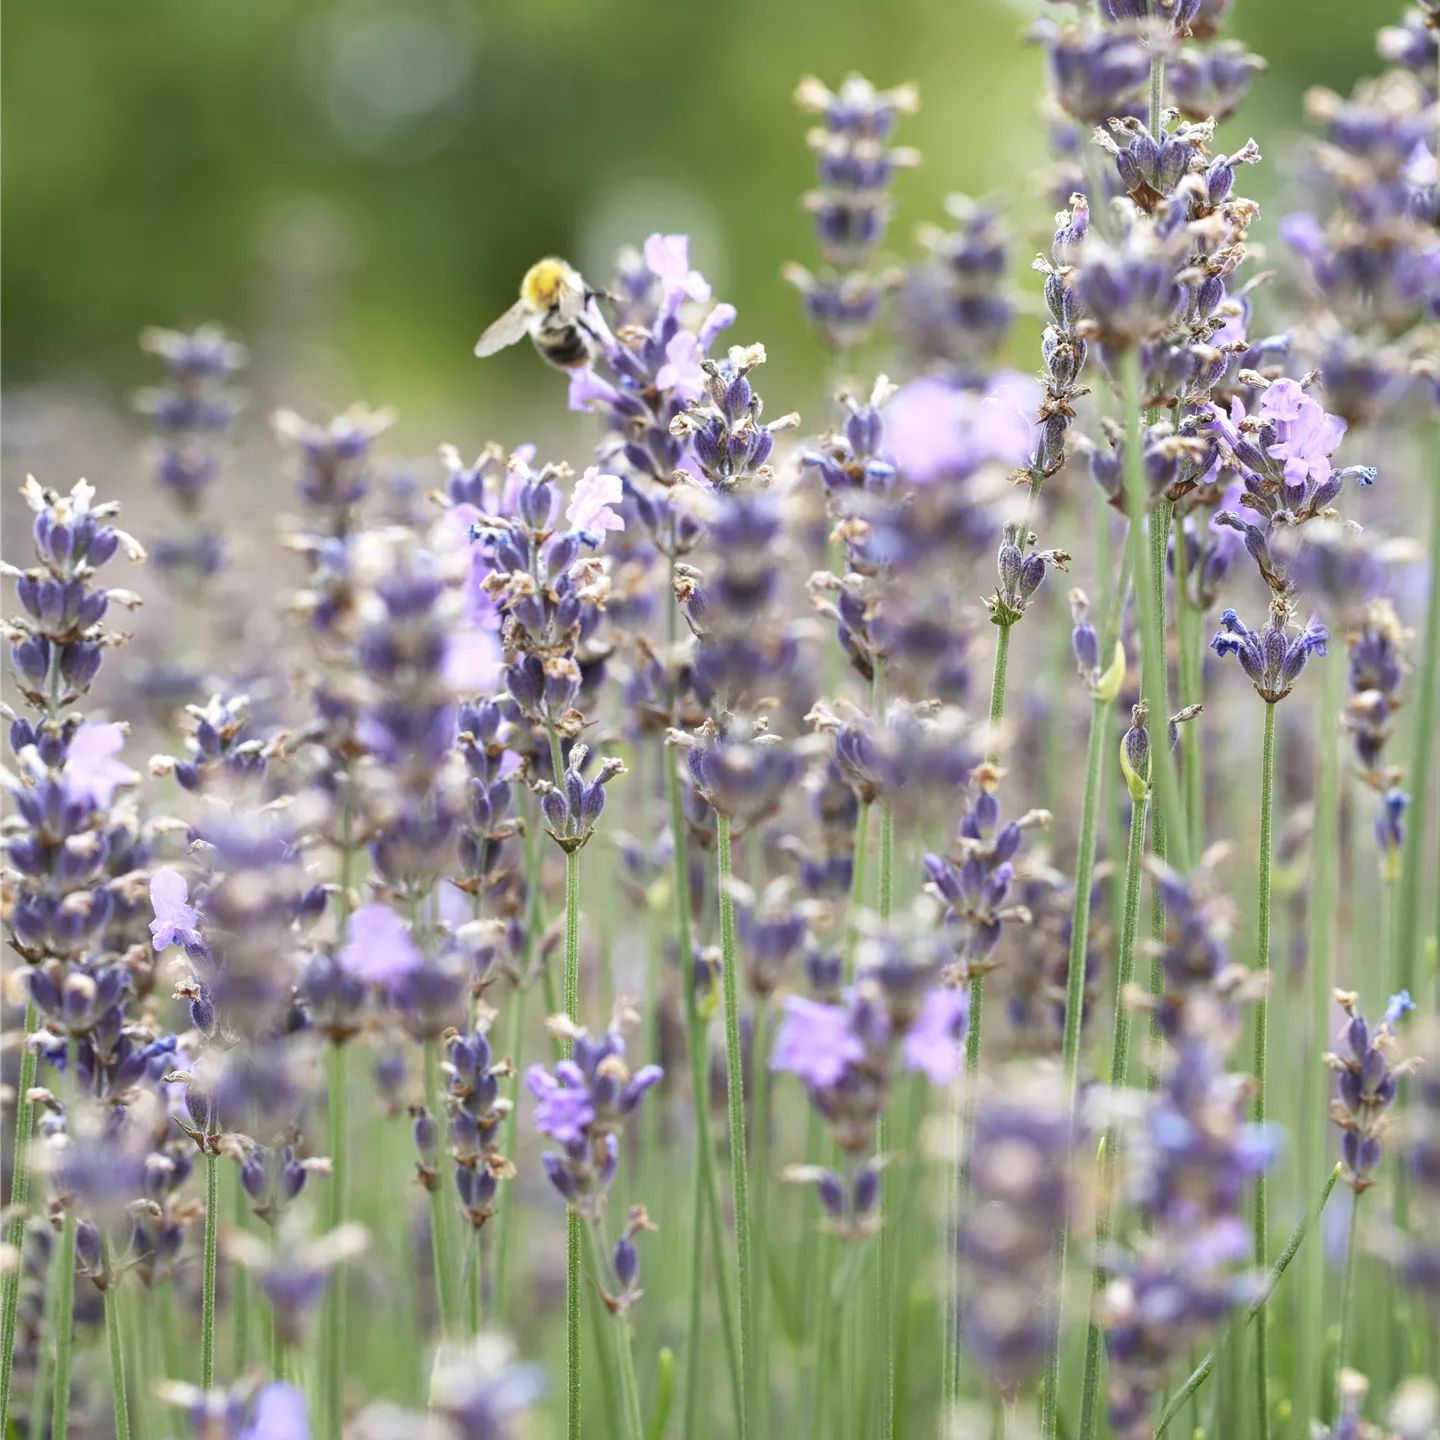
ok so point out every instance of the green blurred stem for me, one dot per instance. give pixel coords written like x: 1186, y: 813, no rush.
x: 665, y: 1389
x: 760, y: 1211
x: 1347, y: 1288
x: 1262, y: 963
x: 40, y: 1386
x: 1119, y: 1075
x: 1187, y: 626
x: 337, y: 1126
x: 1409, y: 937
x: 1202, y: 1371
x: 1324, y: 897
x: 337, y: 1142
x: 19, y: 1200
x: 65, y: 1301
x: 115, y: 1338
x: 885, y: 1268
x: 857, y: 887
x: 1152, y: 641
x: 629, y: 1388
x: 997, y: 691
x: 708, y: 1175
x: 514, y: 1038
x: 438, y: 1250
x: 735, y: 1094
x: 961, y: 1162
x: 1074, y: 1006
x: 573, y: 1222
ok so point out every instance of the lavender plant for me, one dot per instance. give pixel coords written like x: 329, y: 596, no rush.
x: 290, y: 1145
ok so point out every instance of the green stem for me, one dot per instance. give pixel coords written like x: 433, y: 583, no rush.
x: 857, y: 887
x: 1425, y: 700
x: 509, y: 1216
x: 337, y: 1142
x: 573, y: 1221
x: 1074, y: 1007
x: 997, y: 691
x: 1202, y: 1371
x: 64, y: 1323
x: 735, y: 1093
x: 1152, y: 643
x: 114, y: 1337
x: 1347, y: 1288
x: 1187, y: 626
x: 239, y: 1215
x: 1324, y: 896
x: 709, y: 1179
x: 1119, y: 1075
x: 822, y: 1392
x: 19, y: 1201
x: 40, y: 1387
x: 1262, y: 961
x: 439, y: 1249
x: 760, y: 1212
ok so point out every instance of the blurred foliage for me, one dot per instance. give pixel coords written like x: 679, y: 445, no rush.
x: 376, y: 174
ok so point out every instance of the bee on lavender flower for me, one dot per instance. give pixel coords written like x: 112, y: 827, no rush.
x: 551, y: 310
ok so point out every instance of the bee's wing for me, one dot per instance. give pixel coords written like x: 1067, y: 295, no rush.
x: 513, y: 325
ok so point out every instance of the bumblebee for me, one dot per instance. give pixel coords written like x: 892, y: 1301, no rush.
x: 551, y: 310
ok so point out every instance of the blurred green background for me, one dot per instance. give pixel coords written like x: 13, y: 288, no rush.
x: 355, y: 188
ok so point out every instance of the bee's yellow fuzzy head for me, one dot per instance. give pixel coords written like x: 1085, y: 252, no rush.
x: 543, y: 283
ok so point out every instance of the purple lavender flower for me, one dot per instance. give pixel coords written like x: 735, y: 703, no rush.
x: 1367, y: 1085
x: 175, y: 921
x: 815, y: 1042
x: 378, y: 946
x: 1271, y: 658
x: 934, y: 1045
x: 584, y: 1105
x: 589, y: 511
x: 1197, y: 1158
x: 91, y: 770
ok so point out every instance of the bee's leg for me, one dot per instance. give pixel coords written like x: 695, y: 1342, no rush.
x: 597, y: 294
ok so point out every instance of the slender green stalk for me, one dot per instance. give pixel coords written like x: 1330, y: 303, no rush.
x: 1152, y: 643
x: 1202, y: 1371
x: 665, y: 1389
x: 634, y: 1423
x: 1119, y: 1075
x: 40, y: 1386
x: 572, y: 1220
x: 439, y: 1249
x: 508, y: 1217
x: 114, y: 1337
x: 961, y: 1161
x: 1347, y: 1288
x: 65, y: 1322
x: 885, y: 1267
x: 997, y: 691
x: 338, y: 1143
x: 1074, y: 1006
x: 857, y: 887
x: 1187, y: 626
x: 19, y: 1200
x: 760, y: 1212
x: 735, y: 1093
x: 239, y: 1216
x: 1425, y: 701
x: 634, y: 1418
x: 1262, y: 961
x: 691, y: 1398
x: 821, y: 1392
x: 1323, y: 922
x: 698, y: 1048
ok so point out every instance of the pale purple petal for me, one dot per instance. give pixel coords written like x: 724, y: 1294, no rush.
x: 934, y: 1043
x: 378, y: 945
x: 278, y: 1413
x: 91, y: 770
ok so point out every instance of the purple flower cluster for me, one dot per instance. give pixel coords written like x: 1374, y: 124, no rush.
x: 1367, y: 1085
